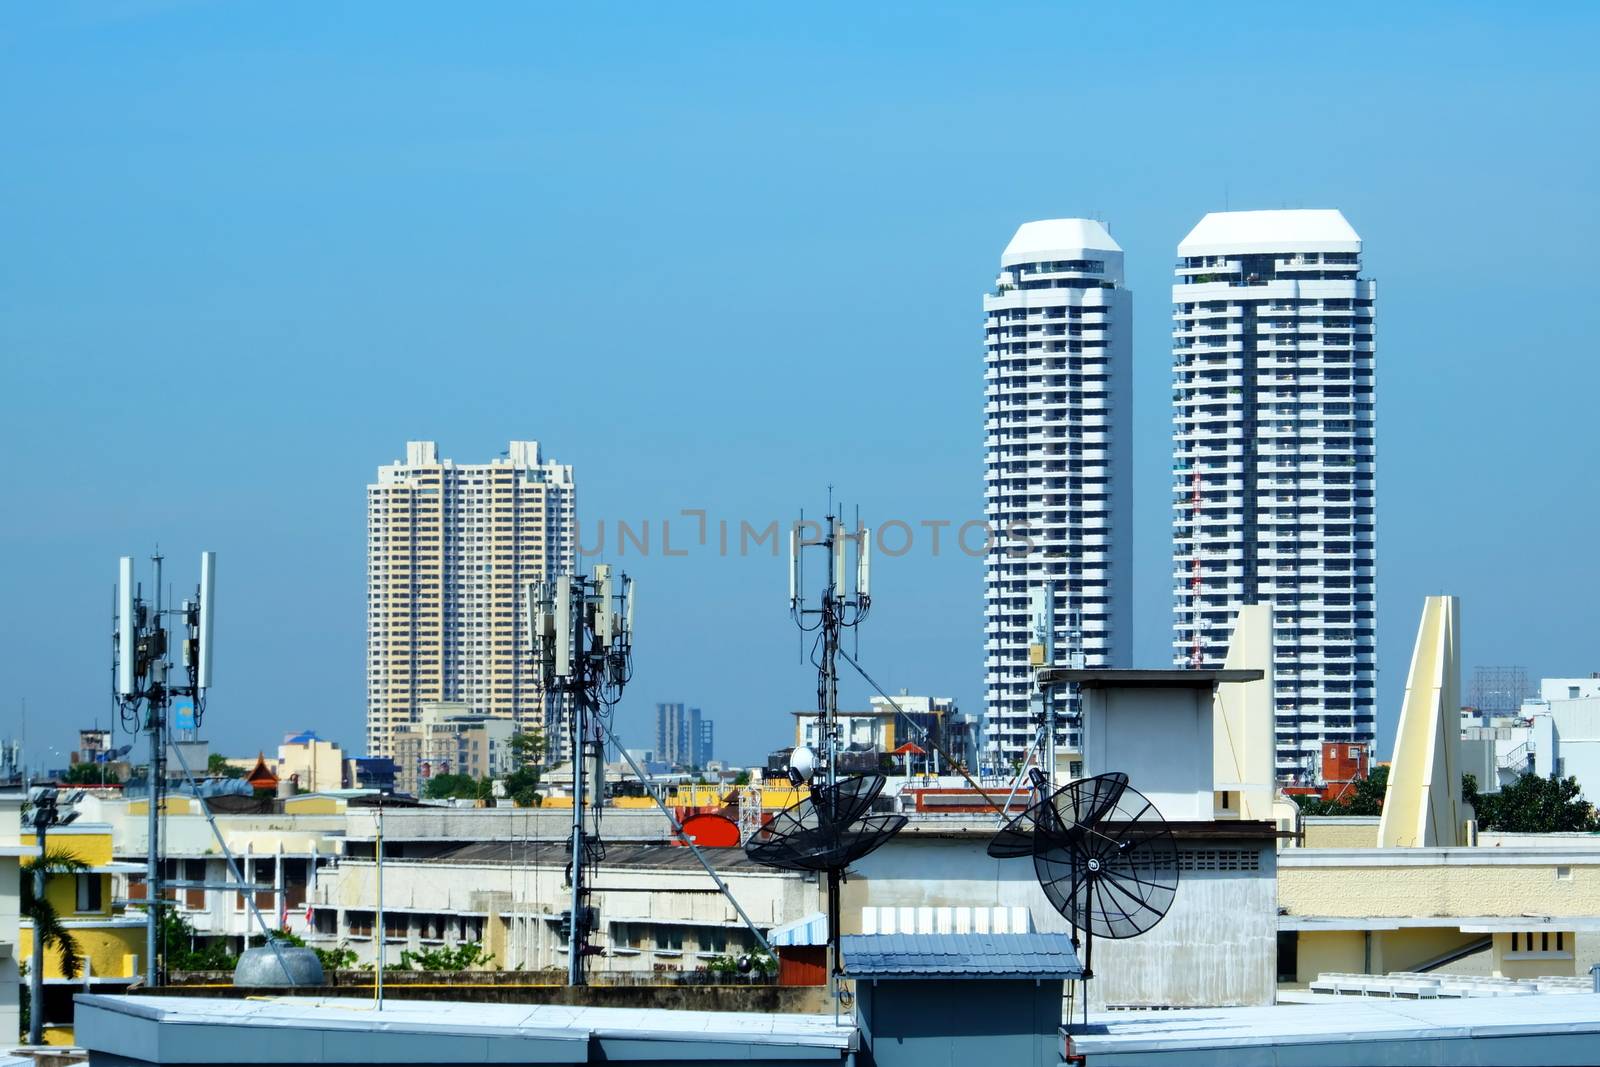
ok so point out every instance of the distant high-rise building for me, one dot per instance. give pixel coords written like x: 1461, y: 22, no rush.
x: 705, y: 743
x: 1273, y: 464
x: 1058, y: 492
x: 684, y: 737
x: 450, y: 550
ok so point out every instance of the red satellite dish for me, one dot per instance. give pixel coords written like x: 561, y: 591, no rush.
x: 710, y: 830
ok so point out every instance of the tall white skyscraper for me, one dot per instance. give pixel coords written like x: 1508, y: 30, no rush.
x: 450, y: 549
x: 1273, y: 463
x: 1058, y: 394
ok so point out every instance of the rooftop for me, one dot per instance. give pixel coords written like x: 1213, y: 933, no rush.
x: 618, y: 855
x: 1050, y: 237
x: 1548, y: 1029
x: 960, y: 956
x: 277, y: 1030
x: 1247, y: 232
x: 1102, y: 677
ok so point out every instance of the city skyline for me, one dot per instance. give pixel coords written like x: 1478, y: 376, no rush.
x: 233, y: 292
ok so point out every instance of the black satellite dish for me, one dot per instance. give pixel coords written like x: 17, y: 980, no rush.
x: 1103, y: 854
x: 826, y: 832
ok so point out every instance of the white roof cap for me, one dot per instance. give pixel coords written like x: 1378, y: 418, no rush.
x: 1056, y: 238
x: 1246, y: 232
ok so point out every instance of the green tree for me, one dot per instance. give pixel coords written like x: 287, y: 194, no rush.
x: 447, y: 958
x: 87, y: 774
x: 527, y: 751
x: 183, y: 951
x: 218, y: 767
x: 451, y: 787
x: 527, y: 747
x: 1364, y: 797
x: 1532, y: 805
x: 47, y: 922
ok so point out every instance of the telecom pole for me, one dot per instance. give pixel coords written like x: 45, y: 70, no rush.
x: 380, y: 936
x: 582, y: 634
x: 155, y: 723
x: 141, y: 674
x: 575, y: 726
x: 840, y: 609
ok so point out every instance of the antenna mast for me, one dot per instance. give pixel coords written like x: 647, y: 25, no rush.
x: 141, y: 674
x: 845, y: 603
x: 582, y: 634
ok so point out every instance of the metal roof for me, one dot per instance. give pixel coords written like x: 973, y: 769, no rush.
x: 279, y: 1030
x: 960, y: 955
x: 1103, y: 677
x: 624, y: 855
x: 1544, y: 1029
x: 809, y: 931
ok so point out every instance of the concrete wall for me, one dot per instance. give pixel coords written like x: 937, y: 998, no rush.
x: 1176, y: 774
x: 1339, y: 831
x: 511, y: 910
x: 1217, y: 946
x: 1439, y: 882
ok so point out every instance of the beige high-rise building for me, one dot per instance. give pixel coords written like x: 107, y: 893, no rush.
x: 450, y: 550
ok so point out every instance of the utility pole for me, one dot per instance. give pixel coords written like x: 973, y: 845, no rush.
x: 582, y: 634
x: 156, y: 777
x: 142, y: 674
x: 842, y: 608
x: 379, y: 931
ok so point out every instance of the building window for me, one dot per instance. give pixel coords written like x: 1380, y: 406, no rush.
x: 89, y: 898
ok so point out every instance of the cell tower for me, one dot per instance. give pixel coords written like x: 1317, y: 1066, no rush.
x: 840, y: 609
x: 144, y: 689
x: 582, y: 633
x: 835, y: 825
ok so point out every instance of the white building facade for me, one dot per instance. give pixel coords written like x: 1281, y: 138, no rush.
x: 1058, y: 403
x: 451, y: 548
x: 1273, y: 464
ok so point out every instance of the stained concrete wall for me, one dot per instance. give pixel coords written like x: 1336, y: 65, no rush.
x: 1438, y: 882
x: 1216, y: 947
x: 1339, y: 831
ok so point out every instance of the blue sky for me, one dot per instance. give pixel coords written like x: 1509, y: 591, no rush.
x: 719, y: 258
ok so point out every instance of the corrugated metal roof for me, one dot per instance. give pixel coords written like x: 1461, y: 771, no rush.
x: 810, y: 931
x: 278, y: 1030
x: 963, y: 955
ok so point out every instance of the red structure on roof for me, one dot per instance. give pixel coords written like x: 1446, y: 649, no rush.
x: 262, y: 777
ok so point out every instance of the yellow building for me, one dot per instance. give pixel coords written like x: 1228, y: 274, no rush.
x: 1521, y: 910
x: 110, y: 943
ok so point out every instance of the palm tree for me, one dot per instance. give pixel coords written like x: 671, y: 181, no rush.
x: 47, y: 925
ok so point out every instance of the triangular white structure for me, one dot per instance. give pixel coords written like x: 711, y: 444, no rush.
x: 1242, y: 735
x: 1423, y: 806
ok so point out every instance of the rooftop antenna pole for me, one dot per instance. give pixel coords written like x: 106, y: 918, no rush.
x: 155, y: 724
x: 842, y: 608
x: 582, y: 633
x: 142, y: 676
x: 379, y: 930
